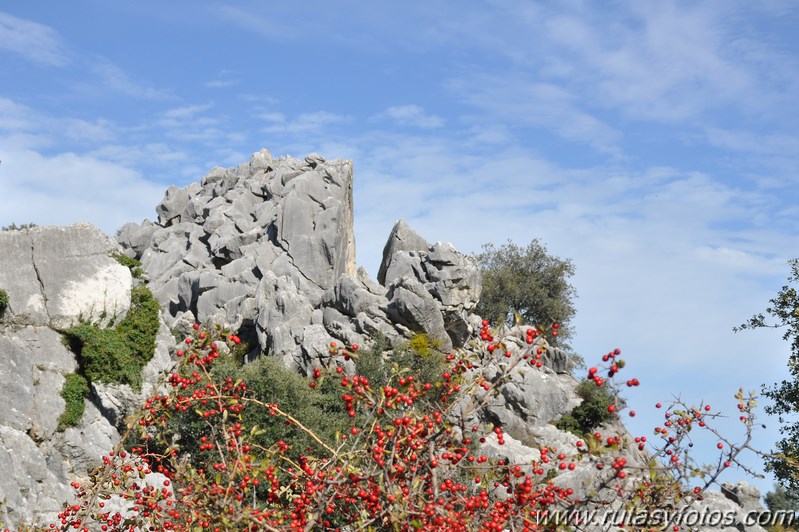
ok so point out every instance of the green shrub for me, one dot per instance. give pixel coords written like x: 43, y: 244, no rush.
x: 118, y: 355
x: 418, y: 356
x: 3, y: 301
x: 591, y: 413
x: 319, y: 409
x: 15, y: 227
x: 132, y: 264
x: 75, y: 389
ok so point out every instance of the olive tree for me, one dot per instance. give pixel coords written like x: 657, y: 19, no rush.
x: 526, y: 284
x: 783, y: 313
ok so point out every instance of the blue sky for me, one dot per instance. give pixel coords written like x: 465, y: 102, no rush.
x: 653, y: 143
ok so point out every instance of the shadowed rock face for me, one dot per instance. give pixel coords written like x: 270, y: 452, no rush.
x: 269, y: 248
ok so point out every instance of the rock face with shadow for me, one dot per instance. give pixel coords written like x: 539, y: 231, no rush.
x: 267, y: 248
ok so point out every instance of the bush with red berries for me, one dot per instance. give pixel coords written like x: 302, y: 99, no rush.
x: 416, y: 453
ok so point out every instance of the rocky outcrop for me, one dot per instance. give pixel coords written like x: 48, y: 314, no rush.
x: 269, y: 248
x: 431, y: 289
x: 54, y: 277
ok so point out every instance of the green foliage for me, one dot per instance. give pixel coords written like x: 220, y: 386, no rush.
x: 269, y: 382
x: 75, y: 389
x: 132, y: 264
x: 591, y: 413
x: 118, y: 355
x: 15, y: 227
x: 784, y: 309
x: 527, y: 281
x: 3, y: 301
x: 419, y: 356
x: 780, y: 502
x: 372, y: 362
x: 780, y: 499
x: 319, y: 409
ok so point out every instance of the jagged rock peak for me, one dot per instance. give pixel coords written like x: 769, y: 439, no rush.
x: 268, y: 248
x: 402, y: 238
x: 292, y: 216
x: 432, y: 288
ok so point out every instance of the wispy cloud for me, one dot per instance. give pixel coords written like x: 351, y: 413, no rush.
x: 186, y: 111
x: 221, y: 83
x: 67, y: 188
x: 545, y: 105
x: 748, y: 141
x: 116, y: 79
x: 259, y: 24
x: 33, y: 41
x: 410, y: 115
x: 304, y: 123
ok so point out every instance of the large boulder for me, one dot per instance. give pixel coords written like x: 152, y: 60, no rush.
x: 215, y: 242
x: 58, y: 275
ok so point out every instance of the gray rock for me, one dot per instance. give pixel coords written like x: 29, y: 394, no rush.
x: 454, y: 278
x: 283, y: 315
x: 534, y: 399
x: 402, y: 238
x: 411, y: 305
x: 30, y: 491
x: 82, y: 447
x: 16, y: 381
x: 744, y: 495
x: 79, y: 277
x: 352, y: 297
x: 19, y: 278
x: 172, y: 207
x: 58, y: 275
x: 135, y: 238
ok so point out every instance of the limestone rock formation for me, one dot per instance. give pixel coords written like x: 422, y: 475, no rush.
x: 431, y: 289
x: 267, y: 248
x: 54, y: 277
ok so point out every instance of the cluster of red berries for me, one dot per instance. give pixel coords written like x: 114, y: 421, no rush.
x: 410, y: 461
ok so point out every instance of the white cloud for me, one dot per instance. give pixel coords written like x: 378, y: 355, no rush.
x: 522, y: 102
x: 17, y: 117
x: 221, y: 83
x: 748, y: 141
x: 410, y: 115
x: 35, y: 42
x: 115, y: 78
x: 259, y: 24
x: 187, y: 111
x: 304, y: 123
x: 66, y: 188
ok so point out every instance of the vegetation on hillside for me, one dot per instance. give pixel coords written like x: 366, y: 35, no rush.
x: 3, y: 301
x: 117, y: 355
x: 74, y: 391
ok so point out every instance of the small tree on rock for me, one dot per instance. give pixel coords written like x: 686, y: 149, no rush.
x: 526, y: 284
